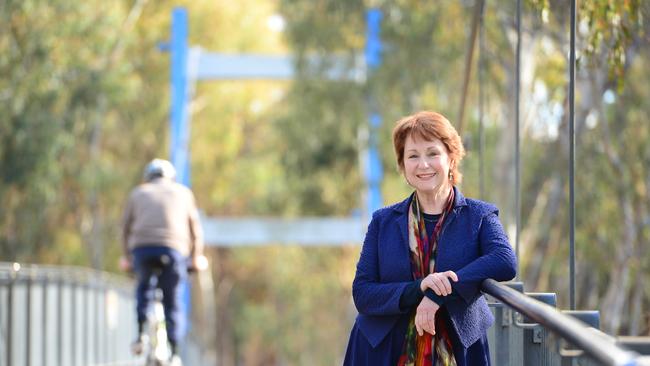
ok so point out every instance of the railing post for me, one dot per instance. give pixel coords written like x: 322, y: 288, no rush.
x: 506, y: 348
x: 86, y: 325
x: 74, y: 335
x: 507, y: 345
x: 538, y: 347
x: 570, y: 357
x: 100, y: 302
x: 10, y: 306
x: 60, y: 322
x: 44, y: 323
x: 28, y: 322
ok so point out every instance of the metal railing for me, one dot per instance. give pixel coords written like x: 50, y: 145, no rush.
x: 541, y: 317
x: 65, y: 316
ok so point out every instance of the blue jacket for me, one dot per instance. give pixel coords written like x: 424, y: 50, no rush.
x: 472, y: 243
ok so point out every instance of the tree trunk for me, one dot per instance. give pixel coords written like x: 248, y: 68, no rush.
x: 615, y: 297
x: 535, y: 237
x: 636, y: 308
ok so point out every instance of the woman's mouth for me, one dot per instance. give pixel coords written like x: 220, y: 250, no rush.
x: 425, y: 176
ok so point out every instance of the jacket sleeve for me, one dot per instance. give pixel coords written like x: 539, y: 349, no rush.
x: 411, y: 296
x: 497, y: 260
x: 127, y: 221
x: 372, y: 297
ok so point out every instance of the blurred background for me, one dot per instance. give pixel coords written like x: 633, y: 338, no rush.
x: 84, y: 104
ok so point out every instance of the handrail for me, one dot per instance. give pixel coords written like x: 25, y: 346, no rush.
x: 595, y: 344
x: 12, y: 271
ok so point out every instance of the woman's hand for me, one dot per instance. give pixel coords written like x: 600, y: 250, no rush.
x: 439, y: 282
x: 425, y: 316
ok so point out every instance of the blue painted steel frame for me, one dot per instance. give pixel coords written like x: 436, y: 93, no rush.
x: 179, y: 129
x: 179, y: 119
x: 374, y: 170
x: 180, y: 93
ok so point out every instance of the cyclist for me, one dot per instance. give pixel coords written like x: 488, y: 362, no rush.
x: 161, y: 228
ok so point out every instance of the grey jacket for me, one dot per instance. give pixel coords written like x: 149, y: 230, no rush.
x: 162, y: 212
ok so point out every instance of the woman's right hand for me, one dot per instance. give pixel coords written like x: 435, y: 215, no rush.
x: 425, y: 316
x: 439, y: 282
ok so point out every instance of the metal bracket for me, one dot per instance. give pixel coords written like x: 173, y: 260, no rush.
x: 537, y: 335
x: 506, y: 317
x: 523, y: 325
x: 496, y: 304
x: 535, y: 327
x: 570, y: 353
x: 499, y: 307
x: 565, y: 351
x: 563, y: 348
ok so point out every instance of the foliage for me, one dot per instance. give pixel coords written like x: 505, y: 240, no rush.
x: 297, y: 302
x: 610, y: 28
x: 60, y: 90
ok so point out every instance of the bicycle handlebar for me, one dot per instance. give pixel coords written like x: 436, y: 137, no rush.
x: 192, y: 268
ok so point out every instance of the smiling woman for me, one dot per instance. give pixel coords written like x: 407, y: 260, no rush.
x: 429, y: 126
x: 417, y: 282
x: 428, y: 151
x: 427, y: 169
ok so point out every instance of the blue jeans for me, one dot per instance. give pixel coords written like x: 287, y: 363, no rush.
x: 173, y: 272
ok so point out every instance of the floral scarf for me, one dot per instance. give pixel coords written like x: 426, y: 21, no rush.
x: 426, y: 350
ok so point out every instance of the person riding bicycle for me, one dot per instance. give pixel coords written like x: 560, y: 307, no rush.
x: 161, y: 230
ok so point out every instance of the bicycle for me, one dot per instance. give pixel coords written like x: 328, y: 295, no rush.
x: 154, y: 345
x: 159, y: 351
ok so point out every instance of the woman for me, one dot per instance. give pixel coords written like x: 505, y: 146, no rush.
x: 417, y: 285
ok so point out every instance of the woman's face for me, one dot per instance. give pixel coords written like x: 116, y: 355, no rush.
x: 426, y: 164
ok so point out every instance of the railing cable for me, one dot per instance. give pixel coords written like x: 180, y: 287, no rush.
x: 572, y: 158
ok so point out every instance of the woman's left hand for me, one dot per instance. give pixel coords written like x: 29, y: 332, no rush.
x: 439, y: 282
x: 425, y: 316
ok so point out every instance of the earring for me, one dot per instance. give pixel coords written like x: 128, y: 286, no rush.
x: 407, y: 181
x: 451, y: 173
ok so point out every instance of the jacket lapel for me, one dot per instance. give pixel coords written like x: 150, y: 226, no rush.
x: 459, y: 202
x: 402, y: 220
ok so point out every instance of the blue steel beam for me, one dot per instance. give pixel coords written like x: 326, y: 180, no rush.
x: 214, y: 66
x: 220, y: 66
x: 179, y: 118
x: 189, y: 65
x: 374, y: 170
